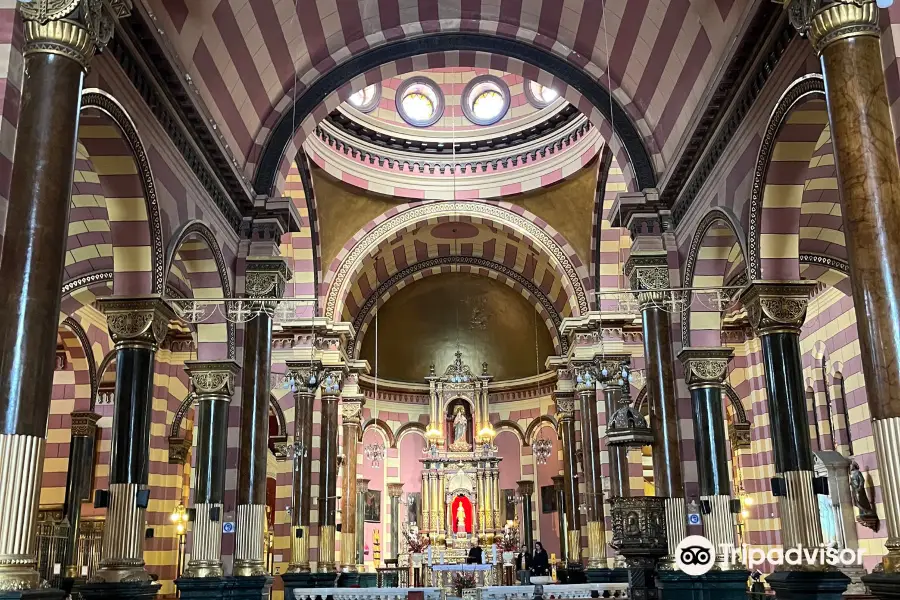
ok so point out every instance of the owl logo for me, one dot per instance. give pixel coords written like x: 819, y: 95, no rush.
x: 695, y: 555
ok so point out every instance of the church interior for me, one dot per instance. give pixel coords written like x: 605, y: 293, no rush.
x: 380, y: 296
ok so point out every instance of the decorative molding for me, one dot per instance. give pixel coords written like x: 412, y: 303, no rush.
x: 592, y: 90
x: 802, y: 89
x: 763, y: 44
x: 837, y: 264
x: 78, y: 331
x: 185, y: 405
x: 339, y: 287
x: 439, y: 261
x: 77, y: 283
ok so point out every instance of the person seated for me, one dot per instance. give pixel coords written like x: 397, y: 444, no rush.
x: 540, y: 562
x: 475, y: 554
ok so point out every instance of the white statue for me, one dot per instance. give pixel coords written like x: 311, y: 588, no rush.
x: 460, y: 519
x: 460, y: 423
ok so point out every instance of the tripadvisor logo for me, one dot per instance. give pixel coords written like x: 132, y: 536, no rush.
x: 696, y: 555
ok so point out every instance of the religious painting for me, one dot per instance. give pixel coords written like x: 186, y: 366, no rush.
x: 414, y: 508
x: 509, y: 505
x: 548, y: 499
x: 372, y: 508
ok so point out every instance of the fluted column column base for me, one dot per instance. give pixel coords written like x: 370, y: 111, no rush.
x: 21, y: 458
x: 206, y: 553
x: 799, y: 511
x: 887, y: 448
x: 250, y: 544
x: 299, y: 550
x: 326, y: 562
x: 676, y: 529
x: 719, y: 527
x: 596, y: 558
x: 573, y: 545
x: 123, y: 537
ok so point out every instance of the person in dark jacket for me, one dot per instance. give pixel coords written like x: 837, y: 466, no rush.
x: 523, y: 559
x: 540, y: 562
x: 475, y: 554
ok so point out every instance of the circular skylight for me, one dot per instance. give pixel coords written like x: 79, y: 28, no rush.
x: 540, y: 95
x: 485, y: 100
x: 420, y: 102
x: 366, y: 99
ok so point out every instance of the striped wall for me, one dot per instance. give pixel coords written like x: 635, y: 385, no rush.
x: 11, y: 76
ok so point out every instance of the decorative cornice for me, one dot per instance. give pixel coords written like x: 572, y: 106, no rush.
x: 705, y: 366
x: 761, y: 48
x: 776, y: 306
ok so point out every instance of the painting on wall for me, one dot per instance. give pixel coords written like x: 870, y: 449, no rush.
x: 548, y: 499
x: 414, y: 508
x: 372, y: 509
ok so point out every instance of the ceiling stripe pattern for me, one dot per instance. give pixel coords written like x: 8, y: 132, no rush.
x: 89, y: 244
x: 558, y: 261
x: 244, y: 59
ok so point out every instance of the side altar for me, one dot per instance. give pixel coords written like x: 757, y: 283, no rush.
x: 460, y: 478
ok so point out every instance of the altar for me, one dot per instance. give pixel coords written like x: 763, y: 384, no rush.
x: 460, y: 476
x: 441, y: 576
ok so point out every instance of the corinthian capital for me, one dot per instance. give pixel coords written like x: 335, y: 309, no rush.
x: 827, y: 21
x: 137, y: 321
x: 212, y: 377
x: 705, y: 366
x: 72, y: 28
x: 266, y: 277
x: 776, y: 306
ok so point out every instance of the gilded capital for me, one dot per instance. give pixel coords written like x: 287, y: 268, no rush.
x: 75, y: 29
x: 351, y: 411
x: 395, y: 490
x: 137, y: 322
x: 266, y: 277
x: 84, y: 423
x: 307, y: 375
x: 212, y: 377
x: 776, y: 306
x: 705, y: 366
x: 827, y: 21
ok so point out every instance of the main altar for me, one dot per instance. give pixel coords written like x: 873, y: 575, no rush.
x: 460, y: 475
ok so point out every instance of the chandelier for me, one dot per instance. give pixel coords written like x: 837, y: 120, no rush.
x: 541, y: 449
x: 374, y: 453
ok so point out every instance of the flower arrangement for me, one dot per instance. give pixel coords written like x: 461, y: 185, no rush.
x: 509, y: 542
x: 463, y: 581
x: 416, y: 542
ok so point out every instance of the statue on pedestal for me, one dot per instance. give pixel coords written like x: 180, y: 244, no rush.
x: 460, y: 519
x: 867, y: 516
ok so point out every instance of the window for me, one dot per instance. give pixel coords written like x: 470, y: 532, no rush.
x: 540, y: 96
x: 420, y: 102
x: 366, y: 99
x: 485, y: 100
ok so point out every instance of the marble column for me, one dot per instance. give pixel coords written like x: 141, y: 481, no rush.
x: 559, y: 486
x: 526, y: 491
x: 705, y: 372
x: 565, y: 411
x: 586, y: 390
x: 776, y: 311
x: 78, y: 481
x: 619, y: 477
x: 846, y: 36
x: 58, y: 49
x: 648, y: 273
x: 307, y: 376
x: 137, y: 326
x: 213, y: 383
x: 328, y: 470
x: 395, y: 490
x: 265, y: 278
x: 351, y: 413
x: 362, y: 486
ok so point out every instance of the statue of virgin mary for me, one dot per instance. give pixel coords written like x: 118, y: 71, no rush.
x: 460, y: 423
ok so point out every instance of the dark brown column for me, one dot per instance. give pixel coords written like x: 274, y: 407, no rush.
x: 526, y: 491
x: 619, y: 477
x: 328, y: 469
x: 565, y: 411
x: 846, y: 35
x: 351, y: 412
x: 213, y: 384
x: 57, y: 52
x: 395, y: 490
x: 137, y: 326
x: 559, y: 486
x: 586, y: 390
x: 648, y: 273
x: 307, y: 377
x: 265, y: 278
x: 79, y: 481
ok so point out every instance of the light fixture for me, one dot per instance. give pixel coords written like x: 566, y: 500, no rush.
x: 541, y: 448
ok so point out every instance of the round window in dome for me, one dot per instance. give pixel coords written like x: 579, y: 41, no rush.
x: 366, y: 99
x: 539, y: 95
x: 485, y: 100
x: 420, y: 102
